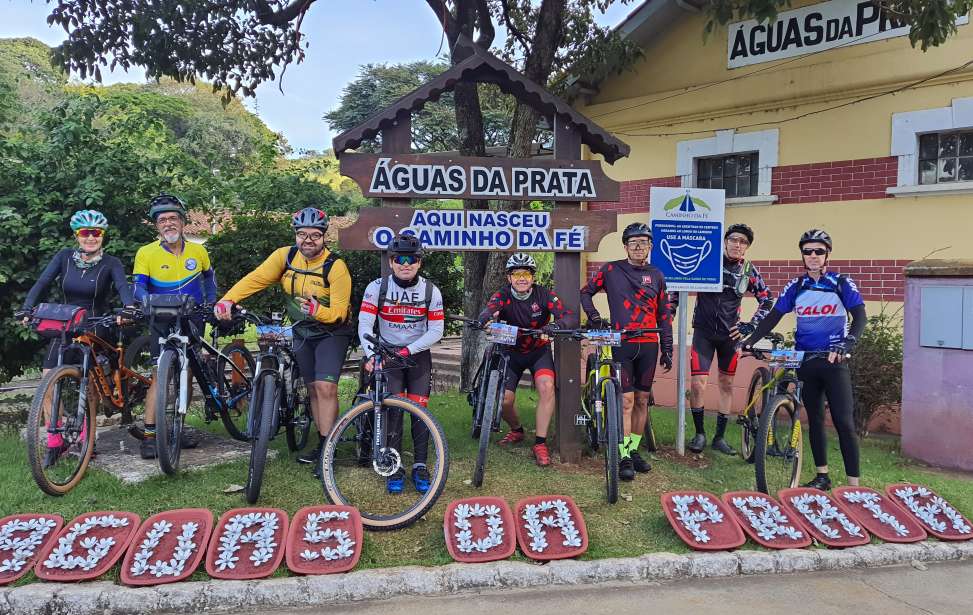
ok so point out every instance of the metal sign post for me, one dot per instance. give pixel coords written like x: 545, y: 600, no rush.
x: 687, y: 246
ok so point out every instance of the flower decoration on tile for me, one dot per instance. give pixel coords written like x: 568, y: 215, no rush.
x: 766, y: 519
x: 929, y: 512
x: 692, y: 520
x: 177, y: 563
x: 96, y: 548
x: 872, y: 503
x: 235, y: 535
x: 561, y: 518
x: 464, y: 536
x: 314, y: 535
x: 826, y: 512
x: 22, y: 549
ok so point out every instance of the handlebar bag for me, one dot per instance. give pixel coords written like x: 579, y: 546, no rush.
x: 55, y: 318
x: 166, y: 308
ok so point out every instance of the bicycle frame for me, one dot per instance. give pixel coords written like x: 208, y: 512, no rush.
x: 605, y: 369
x: 497, y: 358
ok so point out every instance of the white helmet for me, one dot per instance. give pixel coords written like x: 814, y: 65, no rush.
x: 520, y: 260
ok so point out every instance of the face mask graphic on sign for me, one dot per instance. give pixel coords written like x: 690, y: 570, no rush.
x: 686, y: 257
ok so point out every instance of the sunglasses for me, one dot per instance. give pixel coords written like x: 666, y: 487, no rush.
x: 90, y: 232
x: 405, y: 259
x: 814, y: 251
x: 521, y: 275
x: 302, y: 236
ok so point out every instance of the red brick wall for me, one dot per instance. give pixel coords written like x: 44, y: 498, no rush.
x: 633, y: 196
x: 842, y: 180
x: 877, y: 280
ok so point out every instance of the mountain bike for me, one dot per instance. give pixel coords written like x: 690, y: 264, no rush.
x: 486, y: 395
x: 280, y: 397
x: 224, y: 378
x: 61, y: 423
x: 601, y: 397
x: 360, y: 455
x: 778, y: 443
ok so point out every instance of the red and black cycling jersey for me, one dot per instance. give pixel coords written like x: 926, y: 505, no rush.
x: 717, y: 313
x: 531, y: 313
x: 636, y: 298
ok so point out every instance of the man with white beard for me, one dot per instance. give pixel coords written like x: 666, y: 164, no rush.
x: 169, y: 266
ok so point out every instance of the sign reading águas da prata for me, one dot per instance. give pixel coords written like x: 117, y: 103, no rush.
x: 430, y: 176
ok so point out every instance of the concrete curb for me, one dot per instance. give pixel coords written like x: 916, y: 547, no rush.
x: 381, y: 584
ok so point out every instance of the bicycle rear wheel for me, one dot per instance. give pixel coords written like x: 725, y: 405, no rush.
x: 233, y: 386
x: 780, y: 446
x: 298, y: 424
x: 491, y: 402
x: 58, y: 461
x: 168, y: 420
x: 266, y: 405
x: 347, y: 482
x: 613, y: 432
x: 756, y: 396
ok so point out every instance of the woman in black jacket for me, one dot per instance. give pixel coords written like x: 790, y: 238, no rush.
x: 86, y: 274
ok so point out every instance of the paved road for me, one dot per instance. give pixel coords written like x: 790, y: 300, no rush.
x: 945, y: 589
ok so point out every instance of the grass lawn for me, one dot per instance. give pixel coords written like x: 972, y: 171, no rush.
x: 634, y: 526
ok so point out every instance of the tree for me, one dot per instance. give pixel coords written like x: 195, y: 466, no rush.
x: 239, y: 44
x: 434, y: 126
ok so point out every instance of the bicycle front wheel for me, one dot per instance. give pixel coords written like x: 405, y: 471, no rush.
x: 266, y: 405
x: 168, y: 419
x: 780, y: 446
x: 613, y: 433
x: 756, y: 396
x: 490, y: 405
x: 234, y: 388
x: 58, y: 459
x: 346, y: 481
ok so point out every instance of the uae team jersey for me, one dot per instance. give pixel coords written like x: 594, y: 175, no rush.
x: 160, y: 272
x: 821, y: 307
x: 405, y: 320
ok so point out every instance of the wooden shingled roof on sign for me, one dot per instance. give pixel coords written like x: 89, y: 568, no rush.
x: 481, y: 66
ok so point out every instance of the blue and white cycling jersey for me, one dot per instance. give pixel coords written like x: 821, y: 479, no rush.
x: 821, y: 307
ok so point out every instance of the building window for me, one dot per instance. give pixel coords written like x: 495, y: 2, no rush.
x: 737, y: 174
x: 946, y: 157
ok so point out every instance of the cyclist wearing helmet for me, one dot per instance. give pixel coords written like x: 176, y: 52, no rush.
x: 86, y: 275
x: 523, y: 303
x: 171, y: 265
x: 318, y: 289
x: 717, y: 329
x: 636, y: 298
x: 406, y: 310
x: 822, y: 300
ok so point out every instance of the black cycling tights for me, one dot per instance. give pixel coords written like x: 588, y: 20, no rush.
x: 833, y: 380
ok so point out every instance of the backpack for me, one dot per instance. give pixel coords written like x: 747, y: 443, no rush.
x: 313, y: 328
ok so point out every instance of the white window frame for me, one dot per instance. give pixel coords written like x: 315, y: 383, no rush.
x: 725, y: 142
x: 906, y: 128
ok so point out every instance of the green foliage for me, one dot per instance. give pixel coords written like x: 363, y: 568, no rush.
x: 434, y: 127
x: 29, y: 84
x: 876, y: 368
x: 289, y: 188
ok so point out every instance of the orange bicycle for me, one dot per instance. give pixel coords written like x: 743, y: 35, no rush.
x: 62, y: 419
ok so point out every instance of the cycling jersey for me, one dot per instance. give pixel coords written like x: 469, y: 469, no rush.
x: 531, y: 313
x: 303, y: 279
x: 406, y: 320
x: 88, y: 288
x: 716, y: 313
x: 636, y: 298
x: 822, y: 309
x: 160, y: 272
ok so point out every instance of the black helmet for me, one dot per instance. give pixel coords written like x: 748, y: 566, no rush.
x: 520, y: 260
x: 636, y: 229
x: 405, y: 244
x: 310, y: 217
x: 165, y: 203
x: 743, y: 229
x: 815, y: 235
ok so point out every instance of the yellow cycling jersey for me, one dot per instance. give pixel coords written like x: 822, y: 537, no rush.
x: 333, y: 295
x: 160, y: 272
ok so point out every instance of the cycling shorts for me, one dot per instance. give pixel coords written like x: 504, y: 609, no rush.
x: 704, y: 345
x: 416, y: 380
x: 320, y: 358
x: 638, y: 360
x: 540, y: 362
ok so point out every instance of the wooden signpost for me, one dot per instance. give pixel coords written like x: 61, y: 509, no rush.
x: 397, y: 175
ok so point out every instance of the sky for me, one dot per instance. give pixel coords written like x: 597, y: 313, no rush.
x: 343, y: 35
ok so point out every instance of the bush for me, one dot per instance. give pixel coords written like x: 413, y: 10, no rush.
x: 876, y: 369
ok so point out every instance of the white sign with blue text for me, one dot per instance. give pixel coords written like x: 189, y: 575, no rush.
x: 687, y: 237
